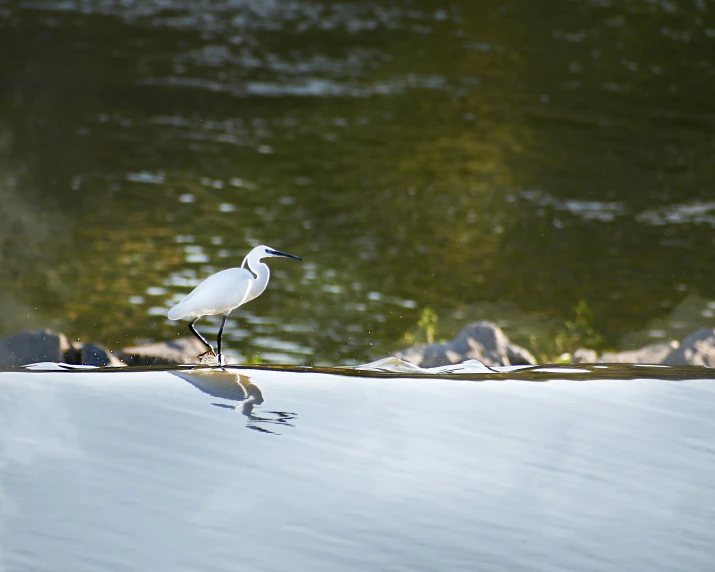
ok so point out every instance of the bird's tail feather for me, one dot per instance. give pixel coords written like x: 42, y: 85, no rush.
x: 176, y: 313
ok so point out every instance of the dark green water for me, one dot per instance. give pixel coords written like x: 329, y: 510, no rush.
x: 498, y: 160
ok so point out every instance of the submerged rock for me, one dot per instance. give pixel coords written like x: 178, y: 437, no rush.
x: 653, y: 353
x: 584, y: 355
x: 484, y: 341
x: 25, y: 348
x: 32, y: 347
x: 98, y: 355
x: 696, y: 349
x: 182, y: 350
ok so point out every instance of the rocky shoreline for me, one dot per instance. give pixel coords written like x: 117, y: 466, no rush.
x: 484, y: 341
x: 45, y: 345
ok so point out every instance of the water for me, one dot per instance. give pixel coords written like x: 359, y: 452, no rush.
x: 495, y: 160
x: 271, y: 469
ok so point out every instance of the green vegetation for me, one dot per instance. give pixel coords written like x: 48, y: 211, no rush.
x: 575, y: 333
x: 255, y: 359
x: 426, y: 328
x: 555, y: 342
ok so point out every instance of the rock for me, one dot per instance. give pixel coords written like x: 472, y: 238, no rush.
x: 696, y: 349
x: 654, y: 353
x: 584, y: 355
x: 183, y: 350
x: 31, y: 347
x: 95, y: 354
x: 484, y: 341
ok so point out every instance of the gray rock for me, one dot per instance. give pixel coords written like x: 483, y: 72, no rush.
x: 484, y: 341
x: 183, y: 350
x: 696, y: 349
x: 584, y: 355
x: 654, y: 353
x: 32, y: 347
x: 95, y: 354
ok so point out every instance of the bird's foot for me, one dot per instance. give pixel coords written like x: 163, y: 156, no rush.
x: 208, y: 360
x: 221, y: 360
x: 207, y: 352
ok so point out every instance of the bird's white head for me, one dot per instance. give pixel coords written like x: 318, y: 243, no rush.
x: 264, y: 251
x: 253, y: 258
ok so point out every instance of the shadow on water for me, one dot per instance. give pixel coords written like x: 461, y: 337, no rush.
x: 234, y: 386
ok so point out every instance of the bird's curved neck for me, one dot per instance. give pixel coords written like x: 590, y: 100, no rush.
x: 260, y: 271
x: 250, y: 265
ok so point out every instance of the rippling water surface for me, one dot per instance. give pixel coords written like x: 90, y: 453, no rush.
x: 595, y: 468
x: 498, y: 160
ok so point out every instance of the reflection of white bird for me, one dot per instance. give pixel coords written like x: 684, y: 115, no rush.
x: 225, y: 291
x: 227, y: 384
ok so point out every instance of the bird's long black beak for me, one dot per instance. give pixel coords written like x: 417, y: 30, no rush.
x: 284, y: 254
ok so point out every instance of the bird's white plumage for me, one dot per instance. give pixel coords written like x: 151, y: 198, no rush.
x: 218, y: 294
x: 226, y: 291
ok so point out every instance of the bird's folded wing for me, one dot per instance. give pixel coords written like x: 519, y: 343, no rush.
x: 217, y: 294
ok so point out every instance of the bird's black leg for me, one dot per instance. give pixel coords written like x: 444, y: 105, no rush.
x: 203, y: 339
x: 218, y: 339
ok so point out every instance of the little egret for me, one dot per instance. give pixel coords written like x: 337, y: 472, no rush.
x: 225, y: 291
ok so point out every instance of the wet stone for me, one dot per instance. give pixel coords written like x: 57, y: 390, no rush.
x: 483, y: 341
x: 31, y: 347
x: 585, y: 355
x: 696, y: 349
x: 98, y: 355
x: 180, y: 351
x: 653, y: 353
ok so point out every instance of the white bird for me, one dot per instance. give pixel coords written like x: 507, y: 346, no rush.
x: 225, y: 291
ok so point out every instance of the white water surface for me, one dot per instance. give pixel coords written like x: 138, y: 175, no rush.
x: 130, y: 470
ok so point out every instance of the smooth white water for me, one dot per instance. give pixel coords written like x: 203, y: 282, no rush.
x: 129, y: 470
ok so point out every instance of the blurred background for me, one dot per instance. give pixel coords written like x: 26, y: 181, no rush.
x: 548, y: 165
